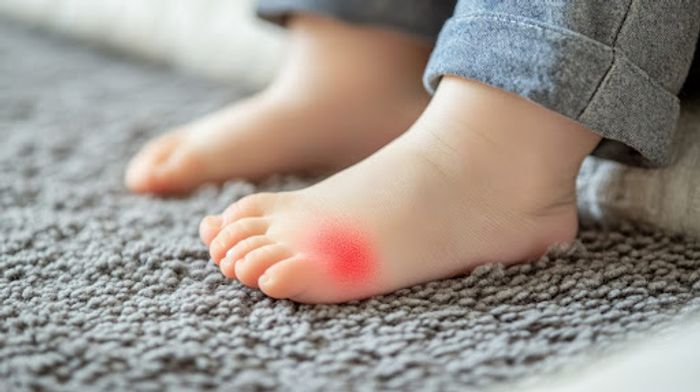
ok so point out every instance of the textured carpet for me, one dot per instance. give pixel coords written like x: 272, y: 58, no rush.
x: 104, y: 290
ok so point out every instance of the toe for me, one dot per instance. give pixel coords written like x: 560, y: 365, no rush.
x: 255, y: 263
x: 167, y: 165
x: 289, y: 278
x: 140, y: 173
x: 228, y: 268
x: 228, y: 263
x: 242, y: 248
x: 233, y: 233
x: 182, y: 171
x: 209, y: 228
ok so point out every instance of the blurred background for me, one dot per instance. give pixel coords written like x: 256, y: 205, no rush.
x: 213, y: 38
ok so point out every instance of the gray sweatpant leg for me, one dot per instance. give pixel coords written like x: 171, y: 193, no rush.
x: 422, y: 18
x: 615, y: 66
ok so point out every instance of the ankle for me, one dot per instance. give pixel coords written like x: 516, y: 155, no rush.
x: 498, y: 135
x: 512, y: 126
x: 493, y: 121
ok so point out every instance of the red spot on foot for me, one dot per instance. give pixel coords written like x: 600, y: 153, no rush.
x: 346, y: 251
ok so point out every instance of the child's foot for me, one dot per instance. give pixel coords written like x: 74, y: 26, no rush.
x: 483, y: 176
x: 344, y: 92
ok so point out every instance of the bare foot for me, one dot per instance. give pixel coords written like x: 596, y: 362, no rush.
x: 344, y: 92
x: 483, y: 176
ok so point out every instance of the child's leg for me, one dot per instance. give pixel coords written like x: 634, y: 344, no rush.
x: 483, y: 176
x: 344, y: 92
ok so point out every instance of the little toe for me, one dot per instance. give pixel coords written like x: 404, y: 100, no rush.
x: 255, y: 263
x: 209, y: 228
x: 232, y: 234
x: 288, y: 279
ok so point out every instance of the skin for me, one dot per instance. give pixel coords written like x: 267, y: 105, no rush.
x: 348, y: 253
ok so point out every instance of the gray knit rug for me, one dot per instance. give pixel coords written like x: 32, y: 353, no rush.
x: 104, y: 290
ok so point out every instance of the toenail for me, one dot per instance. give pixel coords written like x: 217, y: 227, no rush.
x: 229, y: 253
x: 264, y: 279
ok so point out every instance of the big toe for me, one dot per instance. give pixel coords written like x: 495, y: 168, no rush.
x: 141, y: 173
x: 209, y: 228
x: 170, y: 168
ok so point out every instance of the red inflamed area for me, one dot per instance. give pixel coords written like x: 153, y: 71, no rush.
x: 346, y: 251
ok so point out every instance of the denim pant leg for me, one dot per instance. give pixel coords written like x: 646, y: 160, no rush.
x: 422, y: 18
x: 615, y: 66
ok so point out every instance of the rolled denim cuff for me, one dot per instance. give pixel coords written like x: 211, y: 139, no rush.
x: 421, y: 18
x: 567, y: 72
